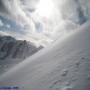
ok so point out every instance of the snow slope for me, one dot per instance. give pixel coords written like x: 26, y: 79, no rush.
x: 64, y: 66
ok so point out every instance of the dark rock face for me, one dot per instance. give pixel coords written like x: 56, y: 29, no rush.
x: 12, y: 48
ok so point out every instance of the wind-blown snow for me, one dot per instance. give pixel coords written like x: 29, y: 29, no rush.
x: 62, y: 66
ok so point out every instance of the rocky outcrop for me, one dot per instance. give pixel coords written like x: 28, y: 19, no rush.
x: 12, y: 48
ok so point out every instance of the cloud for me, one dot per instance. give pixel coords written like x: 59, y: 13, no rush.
x: 1, y: 23
x: 12, y: 9
x: 8, y: 26
x: 22, y: 11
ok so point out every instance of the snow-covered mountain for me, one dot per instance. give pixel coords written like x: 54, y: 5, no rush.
x: 14, y: 51
x: 62, y: 66
x: 12, y: 48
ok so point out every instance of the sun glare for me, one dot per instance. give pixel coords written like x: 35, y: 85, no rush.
x: 45, y: 8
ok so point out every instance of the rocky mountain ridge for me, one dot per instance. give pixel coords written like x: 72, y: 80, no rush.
x: 12, y: 48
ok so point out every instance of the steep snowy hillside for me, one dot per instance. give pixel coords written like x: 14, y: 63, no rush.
x: 64, y: 66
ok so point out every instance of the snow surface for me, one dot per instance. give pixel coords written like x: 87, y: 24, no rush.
x: 64, y: 66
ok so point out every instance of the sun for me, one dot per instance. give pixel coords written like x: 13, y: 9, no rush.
x: 45, y: 8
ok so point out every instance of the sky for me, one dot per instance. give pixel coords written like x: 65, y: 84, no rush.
x: 43, y: 21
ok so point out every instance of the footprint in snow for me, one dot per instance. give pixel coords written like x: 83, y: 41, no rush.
x: 64, y: 72
x: 67, y: 88
x: 83, y: 58
x: 55, y: 83
x: 88, y: 77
